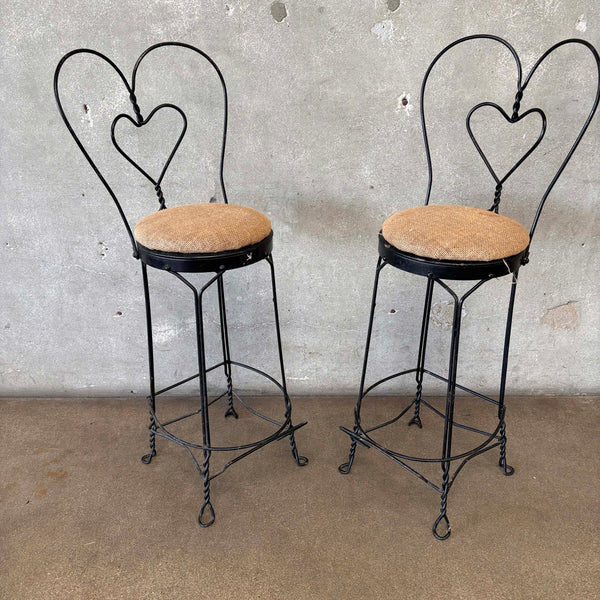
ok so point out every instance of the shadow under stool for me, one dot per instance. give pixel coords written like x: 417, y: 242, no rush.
x: 211, y: 238
x: 447, y: 244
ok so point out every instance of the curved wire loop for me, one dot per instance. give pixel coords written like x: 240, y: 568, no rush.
x: 513, y: 118
x: 139, y: 121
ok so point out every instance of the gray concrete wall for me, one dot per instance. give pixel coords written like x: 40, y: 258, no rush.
x: 321, y: 141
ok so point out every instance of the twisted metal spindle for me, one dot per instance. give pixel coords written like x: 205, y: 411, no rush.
x: 161, y: 198
x: 344, y: 468
x: 207, y: 505
x: 147, y: 458
x: 416, y: 418
x: 508, y: 470
x: 136, y: 108
x: 300, y: 460
x: 516, y: 106
x: 443, y: 505
x: 230, y: 412
x: 497, y: 194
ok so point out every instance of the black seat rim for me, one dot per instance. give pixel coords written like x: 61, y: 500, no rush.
x: 208, y: 262
x: 448, y: 269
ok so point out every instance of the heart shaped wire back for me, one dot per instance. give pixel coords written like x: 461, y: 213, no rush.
x: 515, y: 117
x: 500, y: 181
x: 138, y: 124
x: 139, y: 121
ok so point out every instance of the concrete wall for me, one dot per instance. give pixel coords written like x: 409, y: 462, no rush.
x: 322, y: 142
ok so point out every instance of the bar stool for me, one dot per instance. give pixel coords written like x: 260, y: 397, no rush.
x: 453, y: 242
x: 210, y: 238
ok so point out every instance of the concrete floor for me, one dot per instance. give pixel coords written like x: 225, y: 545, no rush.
x: 82, y: 517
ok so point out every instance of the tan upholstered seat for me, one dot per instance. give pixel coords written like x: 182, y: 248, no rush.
x: 447, y: 232
x: 202, y: 228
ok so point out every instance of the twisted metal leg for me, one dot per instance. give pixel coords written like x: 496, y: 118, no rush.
x: 147, y: 458
x: 301, y: 461
x: 497, y: 438
x: 344, y: 468
x: 230, y: 412
x: 444, y: 504
x: 206, y: 517
x: 416, y: 420
x: 448, y: 419
x: 449, y: 414
x: 507, y: 469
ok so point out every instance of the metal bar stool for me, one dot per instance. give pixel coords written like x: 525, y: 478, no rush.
x: 452, y: 242
x: 211, y: 238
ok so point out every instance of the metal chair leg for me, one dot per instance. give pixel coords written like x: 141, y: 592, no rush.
x: 147, y: 458
x: 230, y: 412
x: 207, y: 508
x: 416, y: 420
x: 508, y: 470
x: 449, y: 413
x: 301, y: 461
x: 344, y: 468
x: 449, y: 421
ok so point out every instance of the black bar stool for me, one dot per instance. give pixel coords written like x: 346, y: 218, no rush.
x: 211, y: 238
x: 451, y: 242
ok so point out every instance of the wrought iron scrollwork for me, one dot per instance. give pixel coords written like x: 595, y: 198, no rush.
x: 512, y: 119
x: 437, y: 271
x: 176, y: 263
x: 139, y: 121
x: 515, y: 116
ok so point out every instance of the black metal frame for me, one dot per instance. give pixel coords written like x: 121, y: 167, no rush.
x: 438, y: 270
x: 176, y: 264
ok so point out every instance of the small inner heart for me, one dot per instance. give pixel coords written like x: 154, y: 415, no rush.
x: 150, y: 145
x: 504, y: 143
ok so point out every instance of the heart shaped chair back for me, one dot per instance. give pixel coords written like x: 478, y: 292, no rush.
x: 138, y: 120
x: 514, y: 117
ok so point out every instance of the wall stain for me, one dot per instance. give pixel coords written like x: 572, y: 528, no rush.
x: 404, y: 104
x: 384, y: 30
x: 278, y: 11
x: 442, y: 314
x: 102, y: 250
x: 564, y: 316
x: 87, y: 115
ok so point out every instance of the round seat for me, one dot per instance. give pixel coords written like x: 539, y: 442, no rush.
x: 455, y: 233
x: 202, y: 228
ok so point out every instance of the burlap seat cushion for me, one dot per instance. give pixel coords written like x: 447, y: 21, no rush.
x: 455, y: 233
x: 202, y: 228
